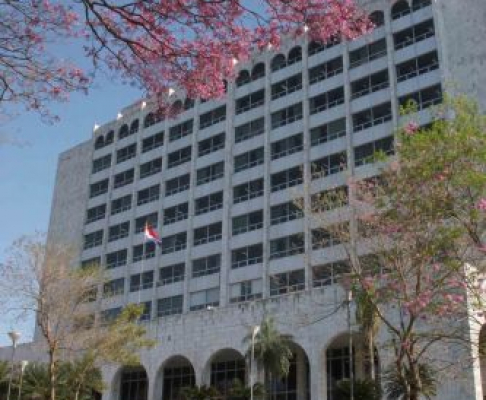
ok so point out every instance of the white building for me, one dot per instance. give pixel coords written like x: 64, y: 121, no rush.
x: 218, y: 184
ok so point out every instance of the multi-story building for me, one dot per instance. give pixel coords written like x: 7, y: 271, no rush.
x: 219, y: 184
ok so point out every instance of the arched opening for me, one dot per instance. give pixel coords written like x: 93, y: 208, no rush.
x: 315, y: 47
x: 123, y: 132
x: 296, y: 385
x: 258, y: 71
x: 243, y: 78
x: 339, y: 360
x: 278, y: 62
x: 418, y: 4
x: 175, y: 374
x: 188, y: 103
x: 295, y: 55
x: 177, y: 107
x: 226, y: 366
x: 110, y: 137
x: 149, y: 120
x: 99, y: 142
x: 134, y: 127
x: 133, y: 383
x: 378, y: 18
x: 399, y: 9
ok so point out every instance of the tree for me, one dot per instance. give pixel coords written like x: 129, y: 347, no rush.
x: 272, y: 349
x: 43, y: 280
x: 4, y: 376
x: 416, y: 246
x: 239, y: 391
x: 157, y: 45
x: 202, y: 392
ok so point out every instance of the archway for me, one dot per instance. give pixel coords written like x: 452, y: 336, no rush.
x: 378, y: 18
x: 258, y: 71
x: 338, y: 362
x: 226, y: 366
x: 296, y: 385
x: 295, y: 55
x: 175, y: 374
x: 133, y: 383
x: 243, y: 78
x: 400, y: 8
x: 278, y: 62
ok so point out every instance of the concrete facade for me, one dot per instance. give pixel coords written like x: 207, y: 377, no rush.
x: 215, y: 302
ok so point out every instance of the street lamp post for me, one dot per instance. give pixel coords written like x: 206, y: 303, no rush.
x: 14, y: 336
x: 23, y: 364
x: 254, y: 332
x: 350, y: 332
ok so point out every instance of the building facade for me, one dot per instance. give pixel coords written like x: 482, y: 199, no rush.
x: 219, y: 184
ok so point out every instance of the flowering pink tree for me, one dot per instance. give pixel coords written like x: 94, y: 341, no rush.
x: 417, y: 254
x: 156, y: 44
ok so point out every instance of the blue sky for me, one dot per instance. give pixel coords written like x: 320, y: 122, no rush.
x: 27, y: 172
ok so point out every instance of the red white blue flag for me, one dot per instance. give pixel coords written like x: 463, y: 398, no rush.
x: 151, y: 234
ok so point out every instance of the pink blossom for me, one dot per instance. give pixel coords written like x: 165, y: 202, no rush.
x: 411, y: 128
x: 482, y: 204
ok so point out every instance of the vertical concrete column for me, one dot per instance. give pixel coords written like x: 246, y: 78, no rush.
x: 152, y: 390
x: 317, y: 372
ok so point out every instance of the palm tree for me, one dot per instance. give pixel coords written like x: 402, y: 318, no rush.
x: 4, y: 376
x: 202, y: 392
x: 83, y: 378
x: 36, y: 382
x: 395, y: 385
x: 239, y: 391
x: 272, y: 350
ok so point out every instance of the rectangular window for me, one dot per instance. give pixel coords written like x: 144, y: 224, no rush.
x: 126, y: 153
x: 248, y: 190
x: 329, y: 274
x: 287, y: 246
x: 248, y: 222
x: 109, y: 316
x: 212, y: 144
x: 121, y: 204
x: 177, y: 185
x: 424, y: 98
x: 417, y: 66
x: 414, y: 34
x: 247, y: 255
x: 171, y: 274
x: 93, y: 239
x: 148, y: 195
x: 101, y: 163
x: 367, y: 53
x: 249, y: 159
x: 211, y: 202
x: 246, y: 291
x: 368, y: 152
x: 151, y: 167
x: 287, y: 282
x: 210, y: 173
x: 249, y: 130
x: 286, y: 86
x: 372, y: 116
x: 95, y: 213
x: 326, y: 100
x: 115, y: 287
x: 287, y: 146
x: 98, y: 188
x: 173, y: 243
x: 326, y: 70
x: 206, y: 266
x: 141, y: 252
x: 204, y: 299
x: 323, y: 238
x: 285, y: 179
x: 328, y: 165
x: 142, y: 281
x: 369, y: 84
x: 179, y: 131
x: 170, y: 305
x: 176, y: 213
x: 116, y: 259
x: 284, y: 212
x: 287, y: 115
x: 152, y: 142
x: 212, y: 117
x: 146, y: 311
x: 94, y: 262
x: 327, y: 132
x: 208, y: 233
x: 253, y: 100
x: 150, y: 219
x: 123, y: 178
x: 329, y: 199
x: 118, y: 231
x: 179, y: 157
